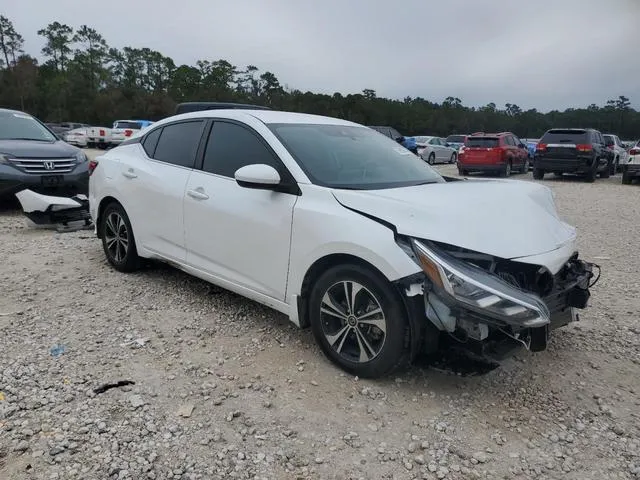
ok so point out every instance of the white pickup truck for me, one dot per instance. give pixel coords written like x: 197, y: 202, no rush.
x: 99, y: 137
x: 123, y: 129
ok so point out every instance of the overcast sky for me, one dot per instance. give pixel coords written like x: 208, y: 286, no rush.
x: 547, y: 54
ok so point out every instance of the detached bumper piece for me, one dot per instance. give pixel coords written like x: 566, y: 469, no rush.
x: 65, y: 213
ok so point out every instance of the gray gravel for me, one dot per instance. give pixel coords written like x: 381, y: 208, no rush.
x: 226, y: 388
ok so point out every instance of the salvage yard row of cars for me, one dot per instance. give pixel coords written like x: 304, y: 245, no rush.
x: 82, y: 135
x: 334, y: 224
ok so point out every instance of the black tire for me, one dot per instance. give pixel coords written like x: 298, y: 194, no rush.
x: 558, y: 174
x: 347, y: 347
x: 606, y: 173
x: 613, y: 168
x: 121, y: 258
x: 525, y: 166
x: 538, y: 173
x: 626, y: 179
x: 454, y: 158
x: 462, y: 172
x: 506, y: 170
x: 432, y: 159
x: 590, y: 176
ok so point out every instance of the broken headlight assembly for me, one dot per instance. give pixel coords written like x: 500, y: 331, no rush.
x: 478, y: 291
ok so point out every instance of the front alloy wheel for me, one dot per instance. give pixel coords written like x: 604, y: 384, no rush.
x: 359, y: 321
x: 353, y: 322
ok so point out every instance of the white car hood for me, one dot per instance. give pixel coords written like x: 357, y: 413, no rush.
x: 507, y: 219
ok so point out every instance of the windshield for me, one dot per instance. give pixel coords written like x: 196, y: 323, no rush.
x: 565, y: 136
x: 20, y: 126
x: 455, y: 139
x: 338, y: 156
x: 422, y: 139
x: 127, y: 124
x: 482, y: 142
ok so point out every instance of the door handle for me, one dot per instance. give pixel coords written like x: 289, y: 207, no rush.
x: 197, y: 194
x: 129, y: 174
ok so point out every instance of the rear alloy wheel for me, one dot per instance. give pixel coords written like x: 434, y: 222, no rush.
x: 359, y: 321
x: 432, y: 159
x: 590, y: 176
x: 118, y: 242
x: 506, y: 170
x: 538, y: 173
x: 454, y: 158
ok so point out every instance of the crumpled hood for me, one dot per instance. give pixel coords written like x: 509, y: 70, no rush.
x: 507, y: 219
x: 34, y: 149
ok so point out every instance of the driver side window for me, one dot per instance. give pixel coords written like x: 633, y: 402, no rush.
x: 231, y: 146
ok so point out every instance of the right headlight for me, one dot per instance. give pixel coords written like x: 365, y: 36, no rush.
x: 480, y: 291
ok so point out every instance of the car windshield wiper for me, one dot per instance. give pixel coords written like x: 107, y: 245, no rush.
x: 25, y: 138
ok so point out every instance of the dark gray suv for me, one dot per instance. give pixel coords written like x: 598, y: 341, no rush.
x: 31, y: 156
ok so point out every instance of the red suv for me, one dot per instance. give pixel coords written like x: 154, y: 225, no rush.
x: 499, y: 153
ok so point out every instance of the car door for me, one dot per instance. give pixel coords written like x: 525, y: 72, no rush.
x: 512, y: 148
x: 442, y: 153
x: 431, y: 150
x: 153, y: 183
x: 520, y: 151
x: 236, y: 234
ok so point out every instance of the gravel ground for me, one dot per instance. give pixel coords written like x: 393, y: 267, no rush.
x: 226, y: 388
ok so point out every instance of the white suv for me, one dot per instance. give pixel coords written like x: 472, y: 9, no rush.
x: 343, y: 230
x: 620, y: 154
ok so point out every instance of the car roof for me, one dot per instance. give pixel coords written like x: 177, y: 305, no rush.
x: 10, y: 110
x: 265, y: 116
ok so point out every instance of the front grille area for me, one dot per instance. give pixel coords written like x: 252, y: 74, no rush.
x: 44, y: 165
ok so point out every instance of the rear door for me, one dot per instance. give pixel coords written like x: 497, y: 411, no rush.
x: 563, y: 144
x: 519, y: 154
x: 481, y: 150
x: 154, y: 182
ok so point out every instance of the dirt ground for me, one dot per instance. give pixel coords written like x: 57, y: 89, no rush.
x: 226, y: 388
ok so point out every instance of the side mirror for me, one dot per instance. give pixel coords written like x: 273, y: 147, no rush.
x: 259, y: 176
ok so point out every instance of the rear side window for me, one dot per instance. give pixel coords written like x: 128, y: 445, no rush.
x: 150, y: 141
x: 394, y: 133
x: 129, y: 125
x: 566, y: 136
x: 232, y: 146
x: 509, y: 141
x: 455, y: 139
x: 178, y: 143
x: 482, y: 142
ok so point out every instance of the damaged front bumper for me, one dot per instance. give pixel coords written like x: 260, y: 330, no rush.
x: 490, y: 312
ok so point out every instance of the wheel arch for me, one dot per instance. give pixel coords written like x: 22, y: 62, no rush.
x: 412, y: 305
x: 316, y: 269
x: 101, y: 207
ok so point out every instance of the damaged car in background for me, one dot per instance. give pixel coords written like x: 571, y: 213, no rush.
x: 344, y: 231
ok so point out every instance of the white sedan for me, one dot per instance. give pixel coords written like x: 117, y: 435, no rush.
x: 77, y: 137
x: 436, y: 150
x: 344, y: 231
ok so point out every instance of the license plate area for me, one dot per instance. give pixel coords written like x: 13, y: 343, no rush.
x: 51, y: 180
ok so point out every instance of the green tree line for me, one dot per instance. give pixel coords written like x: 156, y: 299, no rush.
x: 83, y: 79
